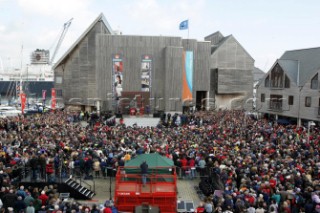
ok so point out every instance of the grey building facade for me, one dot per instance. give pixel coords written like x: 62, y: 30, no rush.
x: 290, y: 90
x: 162, y: 73
x: 231, y: 69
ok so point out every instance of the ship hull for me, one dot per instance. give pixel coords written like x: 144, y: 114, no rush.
x: 32, y: 88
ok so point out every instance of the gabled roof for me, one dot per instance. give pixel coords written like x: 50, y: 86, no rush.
x: 257, y: 74
x: 291, y: 68
x: 83, y: 35
x: 308, y: 63
x: 214, y: 37
x: 215, y: 48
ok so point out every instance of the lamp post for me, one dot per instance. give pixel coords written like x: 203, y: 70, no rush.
x: 111, y: 172
x: 310, y: 123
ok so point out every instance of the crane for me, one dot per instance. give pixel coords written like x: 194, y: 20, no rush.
x: 63, y: 33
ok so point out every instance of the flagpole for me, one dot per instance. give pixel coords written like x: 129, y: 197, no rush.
x: 188, y: 35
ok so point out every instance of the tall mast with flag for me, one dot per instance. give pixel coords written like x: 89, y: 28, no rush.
x: 184, y: 25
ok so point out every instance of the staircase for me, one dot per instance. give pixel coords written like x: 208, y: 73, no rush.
x: 87, y: 193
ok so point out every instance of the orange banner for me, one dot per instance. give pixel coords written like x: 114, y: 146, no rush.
x: 23, y: 99
x: 53, y: 98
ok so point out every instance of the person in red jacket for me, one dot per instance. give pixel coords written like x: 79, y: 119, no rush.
x: 44, y: 198
x: 49, y: 171
x: 184, y: 166
x: 192, y: 165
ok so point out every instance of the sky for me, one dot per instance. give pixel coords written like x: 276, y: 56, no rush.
x: 265, y: 28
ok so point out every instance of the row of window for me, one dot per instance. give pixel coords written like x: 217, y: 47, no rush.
x: 277, y: 100
x: 278, y: 79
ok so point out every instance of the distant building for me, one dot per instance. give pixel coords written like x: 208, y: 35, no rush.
x: 258, y: 75
x: 290, y: 90
x: 231, y: 73
x: 112, y: 71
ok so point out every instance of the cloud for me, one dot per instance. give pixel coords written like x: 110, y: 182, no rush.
x: 2, y: 28
x: 56, y: 8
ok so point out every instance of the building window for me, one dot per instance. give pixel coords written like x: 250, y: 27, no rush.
x: 262, y: 97
x: 59, y: 80
x: 314, y: 82
x: 277, y: 77
x: 267, y: 82
x: 308, y: 102
x: 290, y: 101
x: 286, y: 82
x: 276, y: 102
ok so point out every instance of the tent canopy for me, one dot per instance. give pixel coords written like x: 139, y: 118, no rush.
x: 156, y: 163
x: 153, y: 160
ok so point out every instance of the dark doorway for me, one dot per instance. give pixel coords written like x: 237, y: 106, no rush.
x: 201, y: 101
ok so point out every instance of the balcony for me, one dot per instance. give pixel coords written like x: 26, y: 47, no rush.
x: 275, y: 106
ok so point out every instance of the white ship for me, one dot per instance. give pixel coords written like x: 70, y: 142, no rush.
x: 36, y: 77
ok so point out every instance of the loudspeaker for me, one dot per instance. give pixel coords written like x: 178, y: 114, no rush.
x: 156, y: 115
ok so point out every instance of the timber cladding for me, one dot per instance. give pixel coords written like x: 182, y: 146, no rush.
x: 167, y: 66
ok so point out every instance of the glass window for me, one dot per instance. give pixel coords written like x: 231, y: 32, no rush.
x: 276, y: 102
x: 290, y: 100
x: 59, y: 80
x: 308, y: 102
x: 286, y: 82
x: 262, y: 97
x: 314, y: 82
x: 267, y: 82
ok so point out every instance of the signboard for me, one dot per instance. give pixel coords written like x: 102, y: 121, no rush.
x: 146, y: 67
x: 53, y: 98
x: 187, y: 75
x: 23, y: 99
x: 117, y: 69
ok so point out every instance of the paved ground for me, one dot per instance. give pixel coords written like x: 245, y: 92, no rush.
x: 141, y: 121
x: 186, y: 191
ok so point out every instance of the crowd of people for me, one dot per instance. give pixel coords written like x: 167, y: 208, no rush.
x: 263, y: 166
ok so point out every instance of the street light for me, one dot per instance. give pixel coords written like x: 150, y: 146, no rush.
x: 310, y: 123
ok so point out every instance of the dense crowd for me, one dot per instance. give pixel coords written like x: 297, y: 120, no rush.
x: 263, y: 166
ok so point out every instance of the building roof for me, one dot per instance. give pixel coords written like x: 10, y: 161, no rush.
x: 291, y: 68
x: 308, y: 63
x: 216, y: 46
x: 257, y: 74
x: 83, y: 35
x: 214, y: 37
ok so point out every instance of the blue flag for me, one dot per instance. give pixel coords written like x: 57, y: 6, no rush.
x: 184, y: 25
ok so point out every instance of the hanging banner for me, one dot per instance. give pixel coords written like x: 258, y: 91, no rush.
x: 146, y: 67
x: 44, y: 95
x: 117, y: 69
x: 23, y: 99
x: 53, y: 98
x: 187, y: 75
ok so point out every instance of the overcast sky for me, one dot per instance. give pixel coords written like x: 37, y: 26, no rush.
x: 265, y: 28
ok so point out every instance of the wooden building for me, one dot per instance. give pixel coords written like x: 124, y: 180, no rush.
x: 104, y: 70
x: 290, y: 90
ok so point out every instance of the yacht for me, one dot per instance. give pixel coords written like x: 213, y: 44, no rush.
x: 9, y: 111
